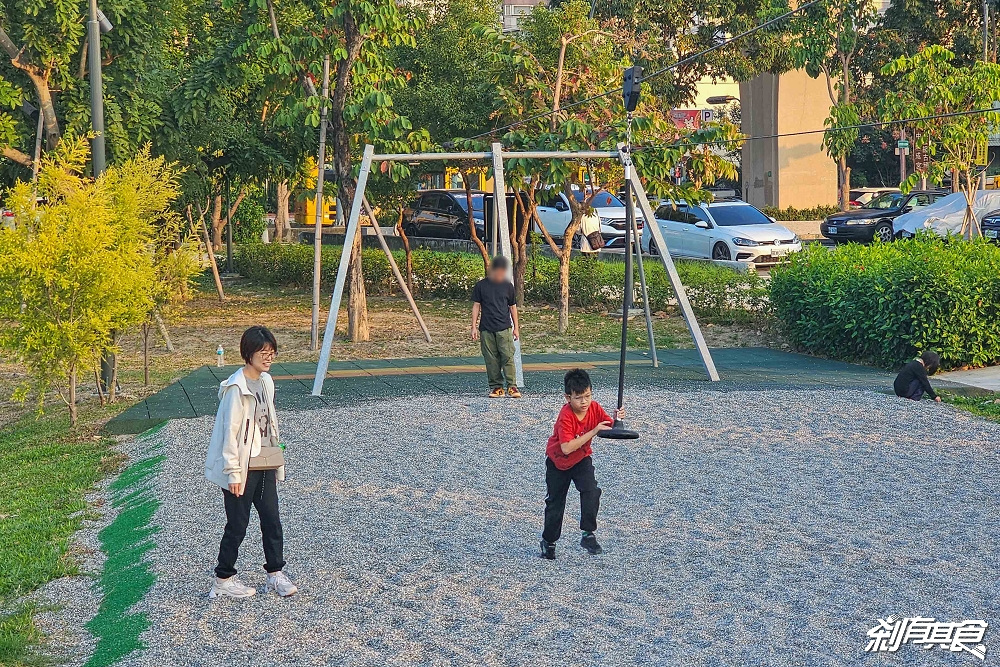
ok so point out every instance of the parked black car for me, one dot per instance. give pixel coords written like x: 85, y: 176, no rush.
x: 443, y: 214
x: 874, y: 219
x: 991, y: 226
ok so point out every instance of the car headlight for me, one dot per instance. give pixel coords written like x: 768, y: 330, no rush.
x: 607, y: 221
x: 739, y: 240
x: 795, y: 238
x: 856, y: 221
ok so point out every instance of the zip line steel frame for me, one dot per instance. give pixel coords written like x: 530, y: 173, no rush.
x: 496, y: 157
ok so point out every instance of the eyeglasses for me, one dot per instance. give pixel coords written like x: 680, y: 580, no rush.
x: 266, y: 355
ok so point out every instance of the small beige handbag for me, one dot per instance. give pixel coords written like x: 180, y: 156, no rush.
x: 270, y: 458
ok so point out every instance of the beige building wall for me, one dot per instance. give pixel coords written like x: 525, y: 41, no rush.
x: 786, y: 171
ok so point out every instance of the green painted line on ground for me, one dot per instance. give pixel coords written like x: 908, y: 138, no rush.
x: 126, y: 576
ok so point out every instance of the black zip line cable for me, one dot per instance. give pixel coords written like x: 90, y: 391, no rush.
x: 683, y: 61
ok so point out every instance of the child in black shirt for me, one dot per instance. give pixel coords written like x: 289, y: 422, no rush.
x: 912, y: 380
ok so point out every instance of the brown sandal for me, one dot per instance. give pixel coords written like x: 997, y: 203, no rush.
x: 497, y: 393
x: 514, y: 392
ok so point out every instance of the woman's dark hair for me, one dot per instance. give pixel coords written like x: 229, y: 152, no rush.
x: 576, y: 381
x: 254, y: 340
x: 499, y: 262
x: 931, y: 361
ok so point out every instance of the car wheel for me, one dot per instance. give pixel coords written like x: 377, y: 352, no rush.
x: 410, y: 229
x: 721, y: 251
x: 462, y: 232
x: 577, y: 242
x: 653, y: 250
x: 883, y: 232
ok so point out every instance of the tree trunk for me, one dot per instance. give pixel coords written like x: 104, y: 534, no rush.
x: 357, y: 304
x: 72, y: 394
x: 17, y: 156
x: 843, y: 185
x: 406, y: 251
x: 145, y: 354
x: 217, y: 223
x: 524, y: 207
x: 340, y: 140
x: 472, y: 222
x: 564, y: 287
x: 282, y: 230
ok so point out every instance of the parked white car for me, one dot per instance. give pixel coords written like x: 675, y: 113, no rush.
x: 723, y: 230
x: 946, y: 214
x: 556, y: 216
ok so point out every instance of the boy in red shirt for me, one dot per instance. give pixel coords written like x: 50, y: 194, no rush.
x: 568, y: 459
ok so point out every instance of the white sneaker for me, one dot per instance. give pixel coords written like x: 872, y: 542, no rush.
x: 281, y: 584
x: 231, y: 587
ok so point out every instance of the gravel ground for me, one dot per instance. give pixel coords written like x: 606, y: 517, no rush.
x: 744, y: 528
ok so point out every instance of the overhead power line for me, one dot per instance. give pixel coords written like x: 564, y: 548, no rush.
x: 680, y: 63
x: 825, y: 130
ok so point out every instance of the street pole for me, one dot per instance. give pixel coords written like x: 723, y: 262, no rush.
x: 318, y: 240
x: 96, y: 90
x: 986, y: 59
x: 97, y: 153
x: 902, y: 158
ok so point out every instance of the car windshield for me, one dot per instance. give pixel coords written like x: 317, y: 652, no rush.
x: 886, y: 201
x: 736, y: 215
x: 477, y: 202
x: 603, y: 199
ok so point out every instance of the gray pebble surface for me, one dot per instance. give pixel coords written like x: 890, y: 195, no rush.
x: 743, y: 528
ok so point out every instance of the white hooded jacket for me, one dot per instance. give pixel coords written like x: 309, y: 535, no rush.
x: 235, y: 433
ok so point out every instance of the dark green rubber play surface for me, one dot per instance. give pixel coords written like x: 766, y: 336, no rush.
x: 352, y: 381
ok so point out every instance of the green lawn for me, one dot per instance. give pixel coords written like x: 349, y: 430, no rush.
x: 985, y: 406
x: 47, y: 471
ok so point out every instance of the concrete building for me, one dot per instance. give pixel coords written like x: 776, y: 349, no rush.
x: 513, y: 10
x: 789, y: 170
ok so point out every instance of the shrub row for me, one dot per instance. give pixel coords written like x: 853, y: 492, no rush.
x: 884, y: 303
x: 715, y: 292
x: 792, y: 213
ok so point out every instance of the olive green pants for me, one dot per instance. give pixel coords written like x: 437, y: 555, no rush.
x: 498, y: 351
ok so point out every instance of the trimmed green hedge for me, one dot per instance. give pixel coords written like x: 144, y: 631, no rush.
x: 715, y: 292
x: 792, y: 213
x: 884, y: 303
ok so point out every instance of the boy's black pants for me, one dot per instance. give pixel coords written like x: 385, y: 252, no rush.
x: 557, y: 486
x: 261, y: 491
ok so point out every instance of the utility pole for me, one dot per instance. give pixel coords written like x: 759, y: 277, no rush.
x: 94, y: 29
x: 97, y: 24
x: 320, y: 208
x: 903, y: 150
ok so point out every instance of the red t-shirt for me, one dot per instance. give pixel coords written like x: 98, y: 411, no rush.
x: 569, y: 427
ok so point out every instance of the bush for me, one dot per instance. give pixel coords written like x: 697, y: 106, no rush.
x: 715, y: 292
x: 884, y: 303
x: 792, y: 213
x: 249, y: 221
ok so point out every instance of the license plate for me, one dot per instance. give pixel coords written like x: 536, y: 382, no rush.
x: 779, y: 252
x: 831, y: 230
x: 990, y: 233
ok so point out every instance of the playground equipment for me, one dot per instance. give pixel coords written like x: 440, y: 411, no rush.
x: 497, y: 156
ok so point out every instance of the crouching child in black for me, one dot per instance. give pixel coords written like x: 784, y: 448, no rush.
x: 912, y: 382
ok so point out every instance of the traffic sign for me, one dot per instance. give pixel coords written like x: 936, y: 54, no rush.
x: 902, y: 143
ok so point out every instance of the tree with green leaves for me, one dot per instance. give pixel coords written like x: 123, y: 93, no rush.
x: 96, y: 257
x: 929, y: 85
x: 564, y: 52
x: 43, y: 55
x: 827, y: 38
x: 290, y: 39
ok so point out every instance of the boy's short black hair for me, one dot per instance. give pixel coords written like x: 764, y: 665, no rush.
x: 931, y: 361
x: 499, y: 262
x: 255, y: 339
x: 576, y: 381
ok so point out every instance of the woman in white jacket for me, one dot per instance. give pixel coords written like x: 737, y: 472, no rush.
x: 244, y: 423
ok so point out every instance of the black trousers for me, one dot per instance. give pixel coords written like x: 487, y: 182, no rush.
x: 261, y: 491
x: 557, y: 486
x: 915, y: 391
